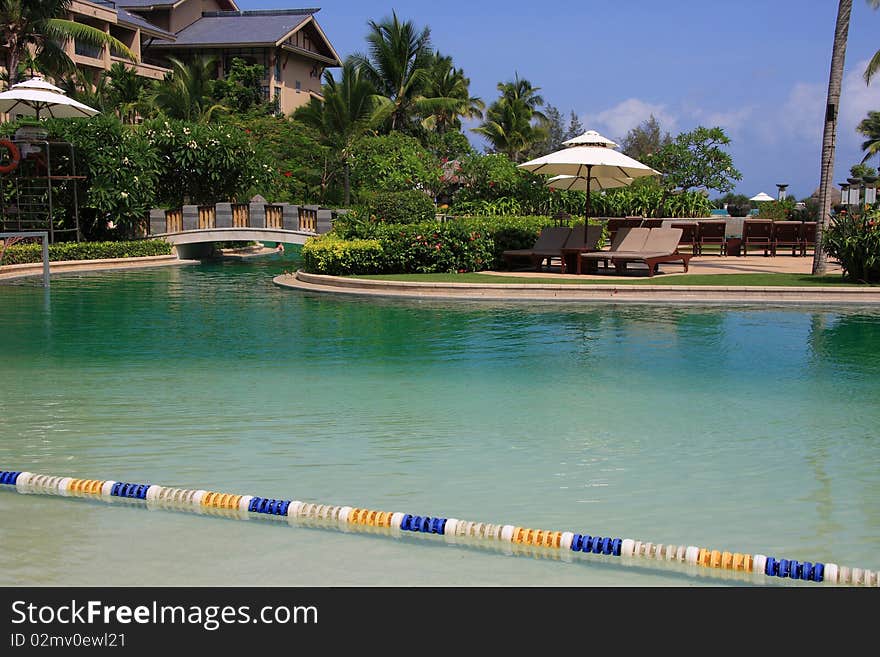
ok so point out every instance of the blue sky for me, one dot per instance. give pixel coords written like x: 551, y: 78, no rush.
x: 759, y: 69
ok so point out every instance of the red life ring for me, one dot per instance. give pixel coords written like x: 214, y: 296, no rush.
x: 14, y: 155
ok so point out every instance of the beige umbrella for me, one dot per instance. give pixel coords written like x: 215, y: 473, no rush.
x: 579, y: 183
x: 761, y: 197
x: 36, y: 97
x: 592, y: 157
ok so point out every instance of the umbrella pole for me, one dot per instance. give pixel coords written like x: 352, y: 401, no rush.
x: 587, y: 209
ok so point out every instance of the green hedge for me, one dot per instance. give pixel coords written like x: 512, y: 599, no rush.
x: 409, y: 207
x: 18, y: 254
x: 461, y: 245
x: 336, y: 257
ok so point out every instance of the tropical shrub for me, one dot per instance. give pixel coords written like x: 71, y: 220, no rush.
x: 434, y: 248
x: 469, y: 244
x: 406, y: 207
x: 121, y: 171
x: 206, y: 164
x: 299, y: 160
x: 331, y: 255
x: 783, y: 210
x: 393, y: 163
x: 18, y: 254
x: 853, y: 239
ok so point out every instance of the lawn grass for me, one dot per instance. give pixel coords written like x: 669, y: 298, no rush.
x: 729, y: 280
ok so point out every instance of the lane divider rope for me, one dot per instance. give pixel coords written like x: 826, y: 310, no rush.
x: 561, y: 542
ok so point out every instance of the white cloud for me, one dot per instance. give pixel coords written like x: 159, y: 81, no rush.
x: 616, y: 121
x: 731, y: 121
x: 802, y: 114
x: 856, y: 100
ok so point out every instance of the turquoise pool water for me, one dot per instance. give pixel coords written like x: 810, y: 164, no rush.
x: 751, y: 430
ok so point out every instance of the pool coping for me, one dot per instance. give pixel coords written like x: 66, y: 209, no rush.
x: 324, y: 284
x: 11, y: 272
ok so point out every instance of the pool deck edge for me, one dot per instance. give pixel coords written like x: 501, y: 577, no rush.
x: 320, y: 283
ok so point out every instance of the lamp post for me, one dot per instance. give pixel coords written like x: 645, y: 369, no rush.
x: 856, y: 188
x: 870, y: 189
x: 844, y: 193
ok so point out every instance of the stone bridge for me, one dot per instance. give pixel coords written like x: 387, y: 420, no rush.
x: 194, y: 228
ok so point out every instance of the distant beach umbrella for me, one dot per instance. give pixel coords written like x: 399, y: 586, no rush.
x: 761, y: 197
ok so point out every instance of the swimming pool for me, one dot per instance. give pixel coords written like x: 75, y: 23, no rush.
x: 753, y: 430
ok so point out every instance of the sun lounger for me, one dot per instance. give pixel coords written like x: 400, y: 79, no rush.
x: 625, y: 239
x: 712, y: 231
x: 659, y: 245
x: 757, y: 233
x: 548, y: 245
x: 576, y: 245
x: 787, y: 234
x: 808, y: 237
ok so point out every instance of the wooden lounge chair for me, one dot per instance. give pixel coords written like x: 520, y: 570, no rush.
x: 548, y: 245
x: 577, y: 244
x: 614, y: 224
x: 654, y: 222
x: 757, y: 233
x: 660, y: 246
x: 712, y: 231
x: 787, y: 234
x: 808, y: 237
x: 690, y: 235
x: 626, y: 239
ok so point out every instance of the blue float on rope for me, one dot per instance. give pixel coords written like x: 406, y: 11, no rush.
x: 269, y: 506
x: 134, y: 491
x: 7, y: 477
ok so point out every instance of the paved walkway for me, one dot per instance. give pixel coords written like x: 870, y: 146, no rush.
x: 704, y: 264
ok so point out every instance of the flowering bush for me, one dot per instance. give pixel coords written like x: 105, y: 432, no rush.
x: 121, y: 172
x: 853, y: 239
x: 459, y: 246
x: 206, y: 164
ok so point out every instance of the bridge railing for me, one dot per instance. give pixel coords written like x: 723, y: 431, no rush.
x: 283, y: 216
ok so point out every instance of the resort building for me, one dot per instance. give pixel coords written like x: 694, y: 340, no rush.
x: 289, y: 43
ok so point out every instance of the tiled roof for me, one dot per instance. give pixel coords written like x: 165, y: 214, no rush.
x: 242, y: 27
x: 133, y: 19
x: 144, y: 4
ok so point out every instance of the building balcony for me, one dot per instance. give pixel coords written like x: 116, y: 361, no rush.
x: 143, y: 69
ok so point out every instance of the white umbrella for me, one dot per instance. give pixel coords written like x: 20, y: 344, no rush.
x: 579, y: 183
x: 761, y: 197
x: 592, y: 157
x: 36, y: 97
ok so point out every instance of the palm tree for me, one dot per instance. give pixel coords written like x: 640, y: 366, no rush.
x: 349, y: 110
x: 448, y: 87
x: 509, y: 124
x: 397, y: 64
x: 870, y: 128
x: 35, y: 31
x: 126, y: 92
x: 874, y: 64
x: 185, y: 93
x: 838, y: 55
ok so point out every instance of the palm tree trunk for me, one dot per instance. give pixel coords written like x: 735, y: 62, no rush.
x: 838, y: 55
x: 346, y: 184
